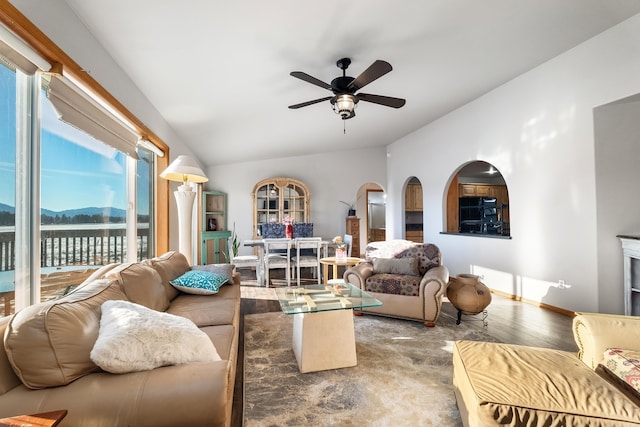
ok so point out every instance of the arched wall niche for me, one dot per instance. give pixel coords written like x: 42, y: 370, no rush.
x: 477, y: 201
x: 413, y: 210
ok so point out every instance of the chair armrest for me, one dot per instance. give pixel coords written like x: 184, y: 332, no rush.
x: 594, y: 333
x: 435, y: 281
x: 357, y: 275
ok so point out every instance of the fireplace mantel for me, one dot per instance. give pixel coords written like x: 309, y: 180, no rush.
x: 631, y: 253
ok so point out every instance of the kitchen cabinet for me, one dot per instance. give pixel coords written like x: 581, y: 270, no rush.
x: 378, y: 235
x: 485, y: 190
x: 413, y: 198
x: 414, y: 236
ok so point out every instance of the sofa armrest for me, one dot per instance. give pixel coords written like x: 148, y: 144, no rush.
x: 594, y: 333
x: 357, y: 275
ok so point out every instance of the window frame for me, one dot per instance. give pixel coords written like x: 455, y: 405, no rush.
x: 61, y: 63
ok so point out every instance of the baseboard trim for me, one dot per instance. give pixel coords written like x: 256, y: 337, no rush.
x: 563, y: 311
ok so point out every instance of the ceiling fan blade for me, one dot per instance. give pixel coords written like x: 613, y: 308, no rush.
x: 310, y: 79
x: 387, y: 101
x: 375, y: 71
x: 304, y: 104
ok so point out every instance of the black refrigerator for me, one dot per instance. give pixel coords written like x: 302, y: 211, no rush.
x: 479, y: 215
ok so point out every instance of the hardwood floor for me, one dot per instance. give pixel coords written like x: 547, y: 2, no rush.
x: 509, y: 321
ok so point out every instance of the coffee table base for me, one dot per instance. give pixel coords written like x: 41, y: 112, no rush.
x: 324, y: 340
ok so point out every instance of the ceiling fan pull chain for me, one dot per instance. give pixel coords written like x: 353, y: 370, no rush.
x: 344, y: 127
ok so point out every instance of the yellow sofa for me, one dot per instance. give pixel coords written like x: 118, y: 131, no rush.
x: 509, y: 385
x: 45, y: 362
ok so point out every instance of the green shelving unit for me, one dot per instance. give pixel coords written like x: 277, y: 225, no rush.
x: 215, y: 233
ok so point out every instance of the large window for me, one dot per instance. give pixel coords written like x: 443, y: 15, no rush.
x: 89, y: 203
x: 8, y: 183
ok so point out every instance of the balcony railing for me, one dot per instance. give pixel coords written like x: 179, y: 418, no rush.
x: 61, y: 248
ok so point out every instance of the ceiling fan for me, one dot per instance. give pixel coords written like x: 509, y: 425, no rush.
x: 344, y: 88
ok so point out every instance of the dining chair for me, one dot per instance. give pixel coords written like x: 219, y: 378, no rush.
x: 348, y: 239
x: 307, y: 255
x: 277, y: 255
x: 246, y: 261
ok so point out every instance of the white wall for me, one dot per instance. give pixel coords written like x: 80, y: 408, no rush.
x: 538, y: 131
x: 617, y: 144
x: 330, y: 177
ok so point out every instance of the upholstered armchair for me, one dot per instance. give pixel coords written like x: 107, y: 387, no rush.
x: 407, y: 277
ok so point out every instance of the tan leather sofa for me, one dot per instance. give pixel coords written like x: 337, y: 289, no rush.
x: 49, y: 344
x: 509, y: 385
x: 407, y: 277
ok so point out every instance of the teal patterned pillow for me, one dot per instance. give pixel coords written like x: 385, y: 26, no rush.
x: 199, y: 282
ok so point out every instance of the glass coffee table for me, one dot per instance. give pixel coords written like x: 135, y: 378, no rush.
x: 323, y: 330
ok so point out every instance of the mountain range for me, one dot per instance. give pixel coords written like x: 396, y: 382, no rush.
x: 113, y: 212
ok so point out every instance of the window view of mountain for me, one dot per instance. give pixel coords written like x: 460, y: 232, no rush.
x: 91, y: 215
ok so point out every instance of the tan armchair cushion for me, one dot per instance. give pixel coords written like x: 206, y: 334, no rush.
x: 48, y: 344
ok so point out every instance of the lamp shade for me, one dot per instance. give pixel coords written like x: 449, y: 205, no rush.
x: 184, y: 169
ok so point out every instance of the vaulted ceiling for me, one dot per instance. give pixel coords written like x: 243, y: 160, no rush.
x: 218, y: 71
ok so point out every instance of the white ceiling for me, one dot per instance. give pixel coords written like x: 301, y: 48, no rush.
x: 218, y: 71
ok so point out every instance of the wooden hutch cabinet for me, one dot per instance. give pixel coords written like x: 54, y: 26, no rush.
x: 275, y: 199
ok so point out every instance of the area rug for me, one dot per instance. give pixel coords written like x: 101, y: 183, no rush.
x: 403, y: 376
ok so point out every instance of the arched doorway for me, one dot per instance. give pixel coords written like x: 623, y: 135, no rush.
x: 413, y: 211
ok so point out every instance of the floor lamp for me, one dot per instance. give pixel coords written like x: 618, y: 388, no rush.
x: 184, y: 169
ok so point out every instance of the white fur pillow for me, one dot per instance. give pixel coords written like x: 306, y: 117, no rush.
x: 135, y: 338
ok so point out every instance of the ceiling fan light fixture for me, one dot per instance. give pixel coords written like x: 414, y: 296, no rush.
x: 344, y: 105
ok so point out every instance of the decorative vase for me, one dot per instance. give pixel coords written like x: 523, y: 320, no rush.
x: 341, y: 254
x: 352, y: 212
x: 288, y: 230
x: 468, y: 294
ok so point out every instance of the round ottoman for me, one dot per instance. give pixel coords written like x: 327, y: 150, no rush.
x: 468, y: 295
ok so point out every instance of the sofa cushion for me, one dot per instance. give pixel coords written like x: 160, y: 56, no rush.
x: 48, y: 344
x: 135, y: 338
x: 406, y: 266
x: 142, y: 285
x: 624, y: 364
x: 503, y: 384
x: 221, y: 309
x: 199, y: 282
x: 169, y: 266
x: 224, y: 269
x: 397, y: 284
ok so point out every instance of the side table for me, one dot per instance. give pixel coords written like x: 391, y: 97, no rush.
x: 347, y: 262
x: 45, y: 419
